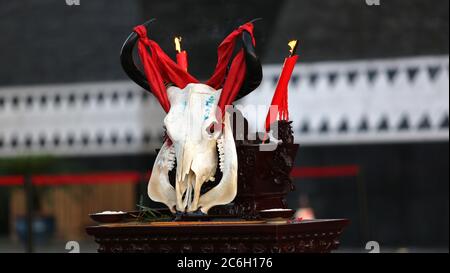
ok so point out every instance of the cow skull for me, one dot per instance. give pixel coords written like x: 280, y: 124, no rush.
x: 194, y: 149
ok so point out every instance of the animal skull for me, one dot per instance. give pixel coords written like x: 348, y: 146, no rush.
x: 193, y: 148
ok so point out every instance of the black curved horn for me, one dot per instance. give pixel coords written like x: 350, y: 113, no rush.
x: 253, y: 76
x: 128, y: 64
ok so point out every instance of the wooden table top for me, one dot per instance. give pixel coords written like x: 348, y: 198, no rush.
x: 219, y: 227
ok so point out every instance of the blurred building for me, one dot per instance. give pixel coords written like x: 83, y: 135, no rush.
x: 371, y: 91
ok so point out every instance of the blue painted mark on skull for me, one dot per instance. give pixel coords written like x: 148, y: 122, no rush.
x: 208, y: 104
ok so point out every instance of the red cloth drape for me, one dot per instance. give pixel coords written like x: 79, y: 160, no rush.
x: 160, y: 69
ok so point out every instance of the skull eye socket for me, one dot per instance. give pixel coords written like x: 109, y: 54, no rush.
x: 166, y: 135
x: 213, y: 129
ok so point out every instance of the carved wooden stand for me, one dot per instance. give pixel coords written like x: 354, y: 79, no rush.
x: 318, y: 236
x: 263, y: 183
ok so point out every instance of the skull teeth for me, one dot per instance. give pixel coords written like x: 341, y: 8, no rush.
x: 171, y: 158
x: 221, y: 152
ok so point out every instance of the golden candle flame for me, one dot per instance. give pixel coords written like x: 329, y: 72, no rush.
x: 177, y: 41
x: 293, y: 46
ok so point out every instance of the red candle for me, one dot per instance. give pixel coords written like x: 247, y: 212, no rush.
x: 181, y: 54
x: 280, y: 97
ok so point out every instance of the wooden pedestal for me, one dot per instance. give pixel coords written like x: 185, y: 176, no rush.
x: 220, y: 237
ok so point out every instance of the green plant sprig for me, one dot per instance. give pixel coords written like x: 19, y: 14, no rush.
x: 147, y: 214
